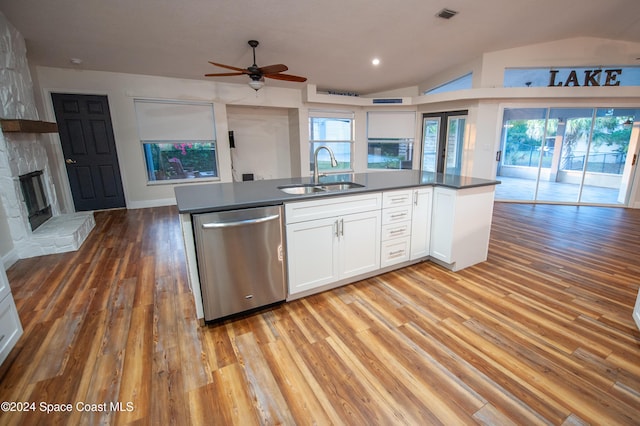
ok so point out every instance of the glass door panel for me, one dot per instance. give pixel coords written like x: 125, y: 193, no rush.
x: 455, y: 141
x: 607, y: 157
x: 573, y: 131
x: 430, y: 137
x: 523, y: 141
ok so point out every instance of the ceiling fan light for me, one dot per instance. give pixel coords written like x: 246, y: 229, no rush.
x: 256, y: 84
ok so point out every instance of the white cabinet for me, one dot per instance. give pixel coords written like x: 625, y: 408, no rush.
x: 330, y: 240
x: 406, y: 225
x: 421, y: 222
x: 396, y: 227
x: 10, y: 327
x: 460, y: 226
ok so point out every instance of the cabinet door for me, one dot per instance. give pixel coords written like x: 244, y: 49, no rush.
x: 443, y: 219
x: 10, y: 327
x: 421, y: 223
x: 312, y: 254
x: 359, y: 243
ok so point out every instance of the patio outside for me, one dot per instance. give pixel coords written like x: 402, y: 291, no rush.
x: 567, y: 155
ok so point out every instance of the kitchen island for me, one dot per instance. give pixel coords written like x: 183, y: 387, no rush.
x: 392, y: 220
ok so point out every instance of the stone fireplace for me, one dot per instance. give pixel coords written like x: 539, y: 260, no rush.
x: 23, y: 153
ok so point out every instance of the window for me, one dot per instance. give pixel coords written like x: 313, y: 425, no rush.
x: 335, y: 131
x: 180, y: 159
x: 459, y: 83
x: 178, y: 140
x: 390, y: 154
x: 390, y: 139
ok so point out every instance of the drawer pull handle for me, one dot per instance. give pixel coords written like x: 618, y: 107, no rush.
x: 396, y: 231
x: 396, y: 253
x: 395, y: 216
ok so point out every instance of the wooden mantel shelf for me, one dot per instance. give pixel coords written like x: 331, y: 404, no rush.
x: 27, y: 126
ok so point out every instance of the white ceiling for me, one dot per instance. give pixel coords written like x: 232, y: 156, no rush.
x: 331, y: 42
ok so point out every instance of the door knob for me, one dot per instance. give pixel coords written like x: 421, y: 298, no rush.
x: 70, y: 161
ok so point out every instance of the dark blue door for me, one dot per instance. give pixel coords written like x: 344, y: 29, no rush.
x: 88, y: 144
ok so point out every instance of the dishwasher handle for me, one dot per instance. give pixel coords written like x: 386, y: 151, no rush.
x: 239, y: 222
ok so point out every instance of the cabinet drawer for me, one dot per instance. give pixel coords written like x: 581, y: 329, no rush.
x: 399, y: 214
x: 395, y: 251
x: 332, y: 207
x: 397, y: 198
x: 396, y: 230
x: 10, y: 327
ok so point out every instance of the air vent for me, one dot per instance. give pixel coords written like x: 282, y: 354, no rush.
x: 446, y: 14
x: 387, y: 101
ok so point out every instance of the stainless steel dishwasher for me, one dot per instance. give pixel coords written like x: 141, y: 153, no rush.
x: 240, y: 259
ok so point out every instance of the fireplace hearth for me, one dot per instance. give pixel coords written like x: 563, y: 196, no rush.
x: 35, y: 197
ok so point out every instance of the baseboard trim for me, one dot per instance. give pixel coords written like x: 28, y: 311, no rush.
x: 151, y: 203
x: 10, y: 258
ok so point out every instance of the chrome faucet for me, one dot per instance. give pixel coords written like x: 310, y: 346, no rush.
x: 334, y: 163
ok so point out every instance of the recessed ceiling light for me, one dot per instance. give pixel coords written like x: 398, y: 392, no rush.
x: 375, y: 61
x: 446, y: 13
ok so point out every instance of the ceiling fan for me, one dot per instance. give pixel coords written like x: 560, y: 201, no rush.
x: 257, y: 73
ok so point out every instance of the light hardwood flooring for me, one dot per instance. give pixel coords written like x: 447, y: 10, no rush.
x: 541, y: 333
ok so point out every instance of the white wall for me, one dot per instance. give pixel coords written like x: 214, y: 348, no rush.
x: 121, y: 90
x: 582, y: 51
x: 6, y: 244
x: 262, y: 141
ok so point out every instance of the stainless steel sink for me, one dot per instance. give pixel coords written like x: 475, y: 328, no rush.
x: 303, y: 189
x: 341, y: 186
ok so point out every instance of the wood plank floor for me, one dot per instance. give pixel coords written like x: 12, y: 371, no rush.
x: 541, y: 333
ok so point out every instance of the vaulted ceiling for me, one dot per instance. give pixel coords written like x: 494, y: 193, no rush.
x: 331, y: 42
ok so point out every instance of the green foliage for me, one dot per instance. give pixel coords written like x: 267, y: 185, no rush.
x: 524, y: 138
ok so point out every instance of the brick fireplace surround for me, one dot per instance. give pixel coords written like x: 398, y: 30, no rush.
x: 22, y: 153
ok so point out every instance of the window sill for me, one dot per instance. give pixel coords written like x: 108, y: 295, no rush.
x: 182, y: 181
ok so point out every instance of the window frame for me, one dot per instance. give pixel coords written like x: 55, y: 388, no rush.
x: 386, y: 129
x: 189, y: 175
x: 179, y: 133
x: 328, y: 115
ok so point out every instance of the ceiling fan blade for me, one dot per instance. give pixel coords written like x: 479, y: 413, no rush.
x: 229, y: 67
x: 273, y: 69
x: 224, y: 74
x: 286, y: 77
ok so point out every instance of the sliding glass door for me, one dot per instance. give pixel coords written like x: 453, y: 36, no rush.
x: 567, y: 155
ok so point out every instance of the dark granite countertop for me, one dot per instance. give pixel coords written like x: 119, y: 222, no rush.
x: 210, y: 197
